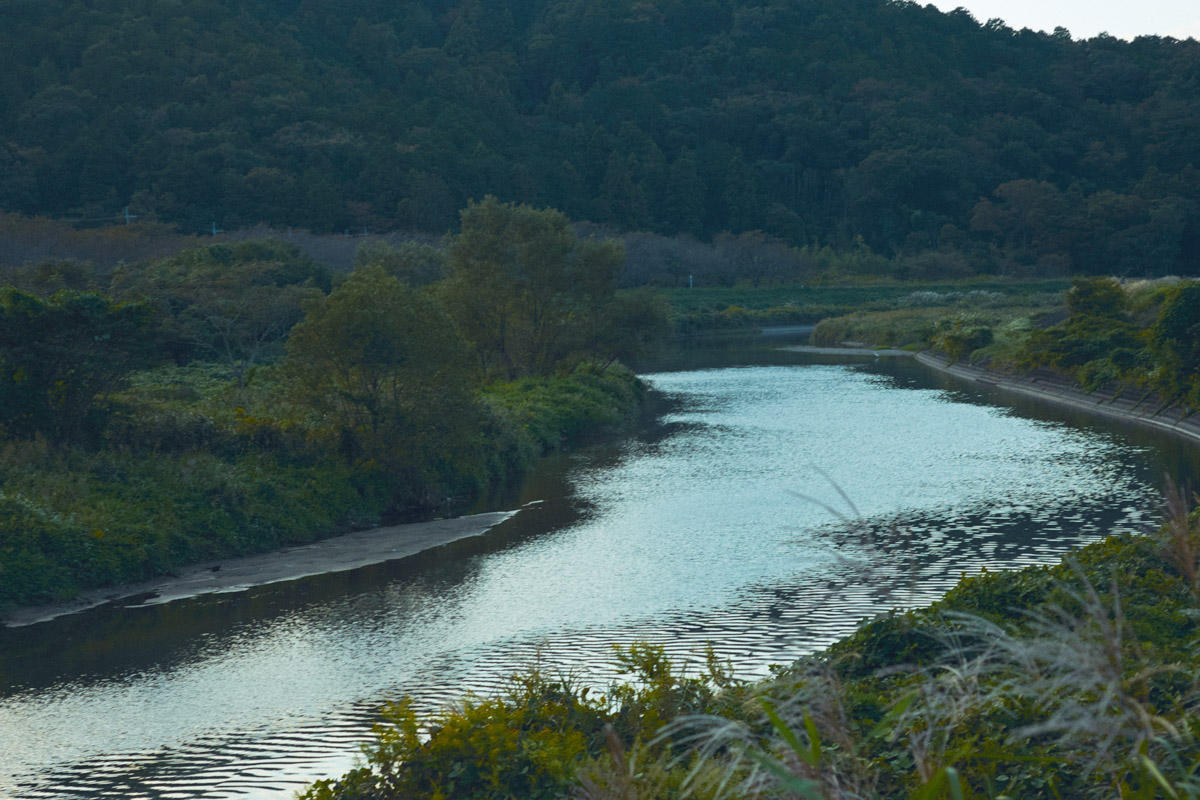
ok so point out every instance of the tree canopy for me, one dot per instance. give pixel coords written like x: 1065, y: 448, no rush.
x: 381, y: 367
x: 525, y: 290
x: 60, y: 356
x: 815, y: 122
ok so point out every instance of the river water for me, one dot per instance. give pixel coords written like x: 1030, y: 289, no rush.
x: 775, y: 500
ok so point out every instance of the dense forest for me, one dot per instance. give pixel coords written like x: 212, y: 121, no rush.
x: 868, y: 126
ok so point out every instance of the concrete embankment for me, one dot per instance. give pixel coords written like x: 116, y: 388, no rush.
x: 1055, y: 388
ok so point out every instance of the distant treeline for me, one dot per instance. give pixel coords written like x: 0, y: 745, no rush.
x: 860, y: 125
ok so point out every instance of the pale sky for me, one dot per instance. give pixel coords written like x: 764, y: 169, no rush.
x: 1124, y: 19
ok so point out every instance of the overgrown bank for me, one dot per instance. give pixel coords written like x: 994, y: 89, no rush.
x: 1137, y: 342
x: 1076, y: 680
x: 207, y: 478
x: 236, y: 398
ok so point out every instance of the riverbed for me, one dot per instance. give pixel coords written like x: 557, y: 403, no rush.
x: 778, y: 499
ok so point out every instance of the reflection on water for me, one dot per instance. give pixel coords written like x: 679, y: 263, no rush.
x: 711, y: 526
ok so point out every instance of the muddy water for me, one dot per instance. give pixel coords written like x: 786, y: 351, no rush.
x: 777, y: 500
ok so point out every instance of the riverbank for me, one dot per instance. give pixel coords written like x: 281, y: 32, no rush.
x: 1052, y: 387
x: 75, y: 520
x: 338, y: 554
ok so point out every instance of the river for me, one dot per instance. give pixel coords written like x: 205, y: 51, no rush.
x: 775, y: 500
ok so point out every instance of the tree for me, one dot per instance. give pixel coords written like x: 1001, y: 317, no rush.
x: 60, y: 357
x: 685, y: 195
x: 381, y: 367
x: 412, y: 262
x: 1174, y: 341
x: 524, y: 290
x: 233, y: 303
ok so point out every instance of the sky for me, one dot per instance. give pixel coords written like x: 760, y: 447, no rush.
x: 1124, y: 19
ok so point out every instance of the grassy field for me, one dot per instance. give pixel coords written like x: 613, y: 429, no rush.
x: 700, y: 310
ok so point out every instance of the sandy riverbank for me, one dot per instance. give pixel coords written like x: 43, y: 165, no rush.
x: 1054, y: 388
x: 337, y: 554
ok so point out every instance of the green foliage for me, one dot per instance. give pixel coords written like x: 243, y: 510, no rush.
x: 527, y: 293
x: 384, y: 374
x: 1125, y: 337
x: 553, y: 411
x: 965, y: 326
x: 891, y: 314
x: 958, y: 340
x: 376, y: 410
x: 60, y: 357
x: 1075, y: 680
x: 234, y: 303
x: 524, y: 745
x: 533, y: 741
x: 1173, y: 347
x: 875, y: 140
x: 76, y: 520
x: 412, y: 262
x: 1097, y: 297
x: 631, y: 325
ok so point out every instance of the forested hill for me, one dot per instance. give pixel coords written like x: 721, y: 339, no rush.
x: 815, y: 121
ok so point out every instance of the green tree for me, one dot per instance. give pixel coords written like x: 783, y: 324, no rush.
x: 524, y: 290
x: 1174, y: 341
x: 60, y: 357
x: 412, y: 262
x: 685, y: 195
x: 232, y: 303
x: 380, y: 367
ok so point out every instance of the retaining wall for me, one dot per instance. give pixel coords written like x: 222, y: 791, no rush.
x: 1056, y: 388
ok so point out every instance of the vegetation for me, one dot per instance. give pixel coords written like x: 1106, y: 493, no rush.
x: 949, y: 318
x: 901, y: 138
x: 1137, y: 337
x: 1077, y: 680
x: 59, y: 355
x: 1140, y: 338
x: 524, y: 290
x: 163, y: 402
x: 915, y: 303
x: 237, y: 397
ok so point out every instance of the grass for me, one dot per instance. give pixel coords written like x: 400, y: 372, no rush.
x: 699, y: 310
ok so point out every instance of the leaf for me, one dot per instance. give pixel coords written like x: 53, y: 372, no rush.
x: 804, y: 786
x: 1151, y: 768
x: 792, y: 740
x: 885, y: 726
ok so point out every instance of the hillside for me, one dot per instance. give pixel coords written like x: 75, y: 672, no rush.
x: 850, y: 123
